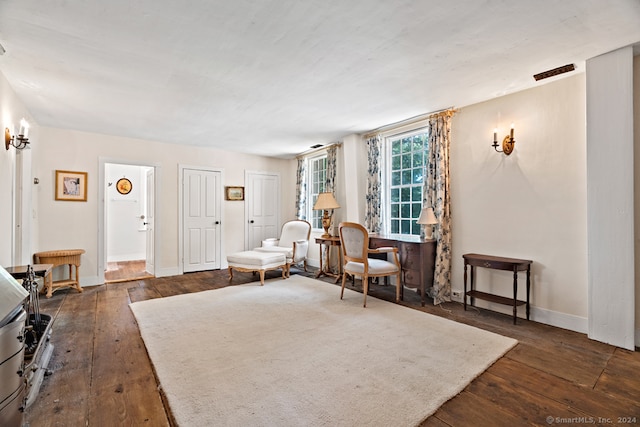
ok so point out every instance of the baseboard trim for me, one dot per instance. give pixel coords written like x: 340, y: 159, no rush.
x: 166, y: 272
x: 542, y: 315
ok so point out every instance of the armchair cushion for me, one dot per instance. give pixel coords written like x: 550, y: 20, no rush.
x: 270, y: 242
x: 293, y: 241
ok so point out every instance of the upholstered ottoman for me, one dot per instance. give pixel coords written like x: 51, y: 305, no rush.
x: 253, y: 261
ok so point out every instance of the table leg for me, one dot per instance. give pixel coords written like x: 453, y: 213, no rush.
x: 472, y: 285
x: 320, y: 270
x: 48, y: 284
x: 464, y: 294
x: 339, y: 276
x: 515, y: 294
x: 78, y: 287
x: 528, y: 288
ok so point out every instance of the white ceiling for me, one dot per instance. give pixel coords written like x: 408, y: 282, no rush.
x: 274, y: 77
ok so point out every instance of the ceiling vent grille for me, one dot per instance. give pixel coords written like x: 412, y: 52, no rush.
x: 554, y: 72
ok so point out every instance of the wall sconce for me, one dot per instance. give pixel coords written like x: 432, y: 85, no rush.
x: 326, y: 202
x: 20, y: 141
x: 507, y: 143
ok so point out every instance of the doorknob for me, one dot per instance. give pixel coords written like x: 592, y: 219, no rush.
x: 145, y: 223
x: 217, y: 222
x: 251, y: 222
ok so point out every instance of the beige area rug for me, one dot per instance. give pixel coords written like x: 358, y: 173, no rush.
x: 291, y: 353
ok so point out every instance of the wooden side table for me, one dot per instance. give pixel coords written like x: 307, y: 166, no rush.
x: 497, y: 263
x: 325, y: 270
x: 70, y: 257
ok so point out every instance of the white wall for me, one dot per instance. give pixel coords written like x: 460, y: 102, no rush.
x: 636, y: 143
x: 531, y: 204
x: 75, y: 224
x: 610, y: 195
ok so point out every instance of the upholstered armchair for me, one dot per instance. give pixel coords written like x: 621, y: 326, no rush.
x: 293, y: 243
x: 354, y: 240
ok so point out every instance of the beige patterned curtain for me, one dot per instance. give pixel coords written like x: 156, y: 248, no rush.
x: 437, y: 195
x: 301, y: 189
x: 372, y: 215
x: 332, y: 156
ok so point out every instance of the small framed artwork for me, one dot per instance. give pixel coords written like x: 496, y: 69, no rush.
x: 71, y: 186
x: 234, y: 193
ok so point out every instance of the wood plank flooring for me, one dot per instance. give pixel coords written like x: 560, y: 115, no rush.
x: 126, y: 271
x: 102, y: 376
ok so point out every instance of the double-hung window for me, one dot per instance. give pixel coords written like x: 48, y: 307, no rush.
x: 406, y: 170
x: 317, y: 179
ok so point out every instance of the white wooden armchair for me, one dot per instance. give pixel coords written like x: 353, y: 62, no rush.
x: 354, y: 240
x: 293, y: 243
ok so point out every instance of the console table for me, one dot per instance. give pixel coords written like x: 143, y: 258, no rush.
x: 497, y: 263
x: 70, y: 257
x: 417, y: 259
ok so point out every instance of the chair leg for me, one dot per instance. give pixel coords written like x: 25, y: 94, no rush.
x: 305, y: 264
x: 344, y: 278
x: 365, y: 289
x: 398, y: 288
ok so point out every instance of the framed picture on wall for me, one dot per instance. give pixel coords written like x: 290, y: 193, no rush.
x: 234, y: 193
x: 71, y: 186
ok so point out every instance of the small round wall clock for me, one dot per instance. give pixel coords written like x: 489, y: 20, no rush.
x: 124, y: 186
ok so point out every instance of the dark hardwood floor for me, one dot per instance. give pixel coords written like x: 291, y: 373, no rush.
x: 102, y: 376
x: 125, y: 271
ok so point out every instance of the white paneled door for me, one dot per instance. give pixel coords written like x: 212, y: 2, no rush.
x: 202, y: 195
x: 262, y: 207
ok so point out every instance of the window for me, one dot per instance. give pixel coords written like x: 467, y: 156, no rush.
x: 408, y: 154
x: 317, y: 179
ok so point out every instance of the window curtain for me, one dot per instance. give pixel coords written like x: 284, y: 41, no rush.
x: 332, y: 154
x: 301, y: 189
x: 373, y: 204
x: 437, y: 195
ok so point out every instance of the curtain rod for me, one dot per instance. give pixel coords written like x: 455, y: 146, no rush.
x: 415, y: 119
x: 313, y: 150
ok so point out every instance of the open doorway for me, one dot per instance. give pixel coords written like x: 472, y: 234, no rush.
x: 127, y: 222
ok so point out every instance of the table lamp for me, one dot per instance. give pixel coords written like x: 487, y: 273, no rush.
x: 325, y: 202
x: 428, y: 218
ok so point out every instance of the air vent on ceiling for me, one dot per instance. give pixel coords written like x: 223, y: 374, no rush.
x: 316, y: 146
x: 554, y: 72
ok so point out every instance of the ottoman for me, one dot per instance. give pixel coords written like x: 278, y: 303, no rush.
x: 253, y: 261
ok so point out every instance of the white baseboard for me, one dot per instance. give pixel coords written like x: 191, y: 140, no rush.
x: 541, y: 315
x: 166, y: 272
x: 89, y: 281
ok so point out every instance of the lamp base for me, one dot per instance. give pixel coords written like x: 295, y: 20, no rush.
x: 428, y: 233
x: 326, y: 223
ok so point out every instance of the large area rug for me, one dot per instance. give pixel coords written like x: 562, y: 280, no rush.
x: 291, y: 353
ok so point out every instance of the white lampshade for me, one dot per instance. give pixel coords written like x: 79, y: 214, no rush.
x: 427, y: 217
x: 325, y: 202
